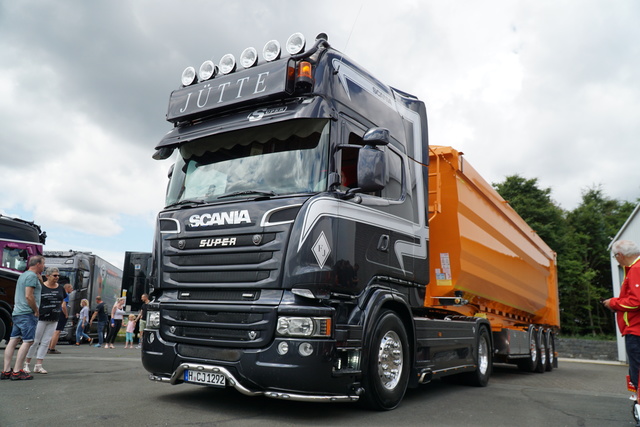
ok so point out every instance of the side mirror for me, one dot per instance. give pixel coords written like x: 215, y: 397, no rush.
x: 163, y: 153
x: 372, y: 169
x: 376, y: 136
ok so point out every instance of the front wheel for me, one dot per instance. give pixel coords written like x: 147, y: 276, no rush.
x: 386, y: 375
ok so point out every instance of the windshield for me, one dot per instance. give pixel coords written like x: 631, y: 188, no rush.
x: 281, y: 158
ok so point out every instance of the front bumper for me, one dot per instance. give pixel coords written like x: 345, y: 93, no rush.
x: 176, y: 378
x: 256, y: 372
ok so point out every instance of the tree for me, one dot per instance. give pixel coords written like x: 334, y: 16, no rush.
x: 594, y: 224
x: 536, y: 207
x: 580, y: 239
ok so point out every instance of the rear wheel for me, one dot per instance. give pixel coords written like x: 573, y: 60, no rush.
x: 5, y: 324
x: 387, y: 371
x: 531, y: 363
x: 551, y: 349
x: 542, y: 350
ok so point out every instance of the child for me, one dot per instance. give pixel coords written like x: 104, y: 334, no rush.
x: 131, y: 326
x: 83, y: 321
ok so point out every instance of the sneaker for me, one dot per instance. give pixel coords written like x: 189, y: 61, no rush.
x: 25, y: 368
x: 138, y: 346
x: 39, y: 369
x: 96, y: 345
x: 6, y: 374
x: 53, y: 351
x: 21, y: 375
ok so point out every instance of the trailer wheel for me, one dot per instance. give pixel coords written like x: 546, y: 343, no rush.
x: 5, y: 324
x: 531, y: 363
x: 386, y: 375
x: 551, y: 349
x: 484, y: 362
x: 542, y: 351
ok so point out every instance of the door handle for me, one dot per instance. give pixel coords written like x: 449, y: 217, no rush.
x: 383, y: 243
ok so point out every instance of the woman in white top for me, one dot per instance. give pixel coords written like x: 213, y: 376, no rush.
x: 117, y: 313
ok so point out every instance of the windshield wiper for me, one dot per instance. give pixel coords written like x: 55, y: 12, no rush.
x: 248, y: 192
x: 187, y: 202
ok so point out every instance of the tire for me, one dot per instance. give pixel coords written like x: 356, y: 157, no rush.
x: 3, y: 330
x: 542, y: 351
x: 551, y: 349
x: 5, y: 324
x: 531, y: 363
x: 484, y: 361
x: 386, y: 375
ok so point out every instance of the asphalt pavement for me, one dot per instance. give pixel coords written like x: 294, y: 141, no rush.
x: 88, y: 386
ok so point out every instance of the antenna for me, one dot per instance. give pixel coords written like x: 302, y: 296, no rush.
x: 353, y: 26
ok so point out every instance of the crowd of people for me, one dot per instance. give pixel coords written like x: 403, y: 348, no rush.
x: 41, y: 312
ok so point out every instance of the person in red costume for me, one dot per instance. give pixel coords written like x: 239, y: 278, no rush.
x: 627, y: 305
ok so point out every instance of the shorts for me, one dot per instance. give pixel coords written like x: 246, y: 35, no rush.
x: 24, y: 326
x: 62, y: 321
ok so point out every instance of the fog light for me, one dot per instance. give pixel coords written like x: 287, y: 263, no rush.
x: 271, y: 50
x: 188, y: 76
x: 305, y: 349
x: 353, y: 359
x: 295, y: 43
x: 249, y: 57
x: 207, y: 70
x: 227, y: 64
x: 283, y: 348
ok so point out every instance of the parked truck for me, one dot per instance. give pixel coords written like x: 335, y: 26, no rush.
x: 135, y: 278
x: 19, y: 241
x: 90, y: 276
x: 314, y: 247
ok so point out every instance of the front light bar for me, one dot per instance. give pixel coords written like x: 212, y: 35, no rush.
x: 295, y: 45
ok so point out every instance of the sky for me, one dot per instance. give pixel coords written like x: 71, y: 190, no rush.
x: 547, y: 89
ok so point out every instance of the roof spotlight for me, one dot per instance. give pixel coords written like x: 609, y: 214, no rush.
x: 227, y: 64
x: 295, y: 43
x: 207, y: 70
x: 271, y: 50
x: 189, y: 76
x: 249, y: 57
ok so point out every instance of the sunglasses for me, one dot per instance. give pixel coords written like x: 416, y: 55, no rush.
x: 55, y: 275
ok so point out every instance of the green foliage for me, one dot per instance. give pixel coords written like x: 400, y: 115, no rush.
x: 580, y: 238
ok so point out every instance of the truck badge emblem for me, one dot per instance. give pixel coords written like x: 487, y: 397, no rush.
x: 253, y: 335
x: 321, y: 249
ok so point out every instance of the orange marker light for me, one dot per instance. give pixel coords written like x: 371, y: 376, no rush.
x: 304, y: 70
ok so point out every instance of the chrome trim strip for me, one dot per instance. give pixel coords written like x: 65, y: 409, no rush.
x: 176, y: 378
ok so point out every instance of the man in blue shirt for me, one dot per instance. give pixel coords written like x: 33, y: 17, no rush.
x: 24, y: 318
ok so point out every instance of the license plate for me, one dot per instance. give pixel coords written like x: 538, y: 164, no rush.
x: 208, y: 378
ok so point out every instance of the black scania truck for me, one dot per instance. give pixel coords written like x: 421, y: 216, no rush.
x: 291, y: 260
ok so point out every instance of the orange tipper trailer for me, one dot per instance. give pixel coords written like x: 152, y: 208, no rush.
x: 485, y: 254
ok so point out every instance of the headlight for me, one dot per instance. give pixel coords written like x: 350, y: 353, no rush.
x: 271, y: 50
x: 189, y: 76
x: 207, y: 70
x: 153, y: 319
x: 304, y: 326
x: 227, y: 64
x: 249, y: 57
x: 295, y: 44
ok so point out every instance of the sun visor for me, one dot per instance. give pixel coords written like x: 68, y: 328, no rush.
x: 300, y: 108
